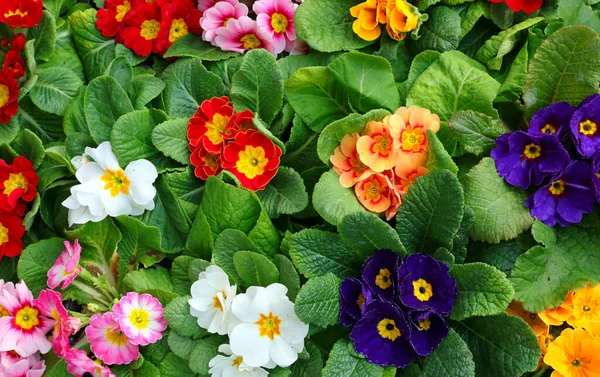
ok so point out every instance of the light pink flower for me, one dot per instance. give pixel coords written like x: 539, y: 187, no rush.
x: 140, y: 317
x: 204, y: 5
x: 219, y: 15
x: 243, y: 34
x: 66, y: 267
x: 24, y: 328
x: 277, y: 17
x: 50, y: 305
x: 12, y: 365
x: 108, y: 342
x: 78, y: 363
x: 297, y: 47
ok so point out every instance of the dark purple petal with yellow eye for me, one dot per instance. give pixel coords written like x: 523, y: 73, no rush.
x: 354, y: 298
x: 425, y: 284
x: 382, y: 335
x: 585, y: 127
x: 379, y: 274
x: 428, y: 331
x: 552, y: 120
x: 595, y: 176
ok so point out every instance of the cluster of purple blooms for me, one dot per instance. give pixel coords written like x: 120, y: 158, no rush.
x: 558, y: 158
x: 397, y: 309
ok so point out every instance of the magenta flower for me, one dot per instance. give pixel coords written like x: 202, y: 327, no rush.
x: 50, y: 305
x: 243, y: 34
x: 108, y: 342
x: 23, y: 328
x: 66, y: 267
x: 140, y: 317
x: 16, y: 366
x: 277, y: 17
x: 78, y: 364
x: 219, y: 15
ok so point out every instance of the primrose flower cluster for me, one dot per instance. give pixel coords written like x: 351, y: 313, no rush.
x: 558, y: 158
x: 569, y: 335
x: 397, y: 308
x: 263, y: 329
x: 399, y: 17
x: 386, y: 159
x: 219, y: 138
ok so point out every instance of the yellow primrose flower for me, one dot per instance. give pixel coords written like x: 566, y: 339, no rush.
x: 557, y: 316
x: 401, y: 19
x: 575, y: 353
x: 533, y: 320
x: 368, y: 15
x: 586, y: 306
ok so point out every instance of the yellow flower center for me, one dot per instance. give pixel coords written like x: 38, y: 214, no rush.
x: 122, y: 10
x: 139, y: 318
x: 211, y: 161
x: 586, y: 308
x: 250, y: 41
x: 382, y: 145
x: 279, y: 22
x: 388, y: 330
x: 588, y: 128
x: 268, y: 325
x: 252, y: 161
x: 576, y: 363
x: 150, y: 29
x: 237, y: 362
x: 116, y: 181
x: 217, y: 303
x: 216, y: 127
x: 422, y: 290
x: 178, y: 29
x: 424, y: 325
x: 557, y: 187
x: 361, y: 301
x: 382, y: 279
x: 116, y: 338
x: 27, y: 318
x: 532, y: 151
x: 18, y: 12
x: 3, y: 311
x: 15, y: 181
x: 549, y: 129
x: 373, y: 190
x: 3, y: 236
x: 413, y: 140
x: 4, y: 95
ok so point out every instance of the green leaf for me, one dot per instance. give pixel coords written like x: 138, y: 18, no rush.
x: 419, y: 65
x: 174, y: 366
x: 451, y: 359
x: 258, y: 85
x: 255, y: 269
x: 482, y: 290
x: 170, y: 138
x: 288, y: 275
x: 317, y: 97
x: 430, y: 213
x: 131, y: 138
x: 142, y: 89
x: 500, y: 212
x: 29, y: 145
x: 181, y: 345
x: 155, y: 281
x: 316, y: 253
x: 502, y: 256
x: 192, y: 46
x: 301, y: 148
x: 48, y: 127
x: 120, y: 69
x: 327, y: 25
x: 285, y: 194
x: 9, y: 131
x: 454, y: 82
x: 146, y: 369
x: 177, y: 314
x: 57, y: 7
x: 196, y: 267
x: 292, y: 63
x: 368, y: 79
x: 578, y: 12
x: 311, y: 367
x: 476, y: 132
x: 461, y: 239
x: 543, y: 276
x: 333, y: 201
x: 55, y: 89
x: 502, y: 345
x: 45, y: 36
x: 342, y: 364
x: 227, y: 244
x: 8, y: 269
x: 438, y: 159
x: 204, y: 351
x: 367, y: 233
x: 573, y: 75
x: 188, y: 83
x: 442, y: 31
x: 187, y: 188
x: 318, y: 302
x: 180, y: 276
x: 74, y: 117
x: 140, y: 244
x: 35, y: 261
x: 105, y: 102
x: 200, y: 242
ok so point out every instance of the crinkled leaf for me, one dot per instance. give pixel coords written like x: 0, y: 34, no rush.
x: 476, y: 132
x: 343, y: 364
x: 318, y: 301
x: 170, y: 138
x: 285, y: 194
x: 368, y: 233
x: 177, y: 314
x: 55, y: 89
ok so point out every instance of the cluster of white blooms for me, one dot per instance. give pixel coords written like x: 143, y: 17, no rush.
x: 263, y: 329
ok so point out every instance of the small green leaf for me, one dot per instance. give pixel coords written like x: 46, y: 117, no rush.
x: 55, y: 89
x: 342, y: 364
x: 255, y: 269
x: 45, y: 36
x: 439, y: 159
x: 200, y: 241
x: 285, y: 194
x: 288, y: 275
x: 177, y: 314
x: 227, y: 244
x: 441, y: 32
x: 333, y: 201
x: 451, y: 359
x: 204, y: 351
x: 191, y: 46
x: 368, y: 233
x: 318, y: 302
x: 29, y: 145
x: 140, y: 244
x: 180, y: 345
x: 174, y: 366
x: 142, y: 89
x: 170, y: 138
x: 476, y: 132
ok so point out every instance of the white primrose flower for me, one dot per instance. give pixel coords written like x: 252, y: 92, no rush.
x: 232, y: 365
x: 211, y: 300
x: 106, y: 190
x: 270, y: 333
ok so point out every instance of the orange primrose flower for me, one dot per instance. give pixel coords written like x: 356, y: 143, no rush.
x: 575, y: 353
x: 533, y: 320
x: 346, y: 162
x: 368, y: 16
x: 376, y: 148
x: 401, y: 18
x: 586, y: 306
x: 409, y: 167
x: 375, y: 193
x: 411, y: 124
x: 557, y: 316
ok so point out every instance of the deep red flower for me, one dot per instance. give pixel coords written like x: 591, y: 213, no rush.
x: 111, y: 19
x: 177, y: 20
x: 142, y: 30
x: 11, y: 231
x: 14, y: 64
x: 239, y: 122
x: 206, y: 164
x: 208, y: 124
x: 253, y: 158
x: 17, y: 181
x: 9, y: 95
x: 21, y: 13
x: 5, y: 42
x: 527, y: 6
x: 18, y: 42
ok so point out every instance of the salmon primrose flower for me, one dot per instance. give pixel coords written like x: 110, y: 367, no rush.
x: 140, y: 318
